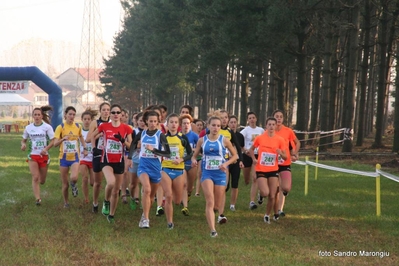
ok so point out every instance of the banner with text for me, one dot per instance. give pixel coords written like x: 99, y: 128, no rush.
x: 20, y: 87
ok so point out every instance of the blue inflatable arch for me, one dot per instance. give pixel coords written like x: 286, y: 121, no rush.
x: 35, y: 75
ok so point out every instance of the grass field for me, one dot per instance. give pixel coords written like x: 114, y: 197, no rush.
x: 338, y: 215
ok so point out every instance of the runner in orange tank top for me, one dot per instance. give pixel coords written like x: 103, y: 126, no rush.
x: 292, y: 149
x: 271, y: 148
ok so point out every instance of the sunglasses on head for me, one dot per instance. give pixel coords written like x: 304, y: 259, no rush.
x: 116, y: 112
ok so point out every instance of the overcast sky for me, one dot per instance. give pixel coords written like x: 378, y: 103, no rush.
x: 52, y: 20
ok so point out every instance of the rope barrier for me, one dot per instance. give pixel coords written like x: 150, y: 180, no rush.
x: 375, y: 174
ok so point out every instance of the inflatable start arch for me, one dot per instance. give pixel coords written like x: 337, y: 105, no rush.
x: 35, y: 75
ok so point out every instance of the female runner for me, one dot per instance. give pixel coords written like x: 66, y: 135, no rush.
x: 125, y: 183
x: 149, y: 170
x: 250, y: 132
x: 235, y: 168
x: 214, y: 167
x: 285, y: 176
x: 173, y: 178
x: 134, y: 180
x: 86, y: 162
x: 97, y: 148
x: 191, y: 172
x: 40, y: 135
x: 116, y: 136
x: 68, y: 135
x: 229, y: 134
x: 270, y: 147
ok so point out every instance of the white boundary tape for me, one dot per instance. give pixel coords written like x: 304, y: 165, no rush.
x: 338, y: 169
x: 389, y: 176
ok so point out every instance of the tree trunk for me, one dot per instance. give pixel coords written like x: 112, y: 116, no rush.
x: 395, y: 146
x: 301, y: 121
x: 315, y: 97
x: 363, y: 78
x: 382, y: 73
x: 244, y: 95
x: 349, y: 93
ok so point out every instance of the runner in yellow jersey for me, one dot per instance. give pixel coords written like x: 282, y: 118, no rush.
x: 67, y: 136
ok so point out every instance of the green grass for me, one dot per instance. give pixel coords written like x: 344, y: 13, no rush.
x: 337, y: 214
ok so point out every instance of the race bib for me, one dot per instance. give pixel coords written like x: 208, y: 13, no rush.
x: 174, y: 154
x: 213, y: 162
x: 114, y: 147
x: 88, y: 147
x: 267, y: 159
x: 100, y: 144
x: 147, y: 153
x: 70, y: 146
x: 39, y: 144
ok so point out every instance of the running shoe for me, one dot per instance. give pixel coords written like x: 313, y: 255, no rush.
x: 38, y: 202
x: 266, y: 219
x: 66, y: 205
x: 132, y: 204
x: 276, y: 217
x: 214, y: 233
x: 185, y: 211
x: 260, y: 199
x: 75, y: 190
x: 141, y: 221
x: 94, y: 209
x: 111, y: 219
x: 105, y: 209
x: 171, y: 226
x: 222, y: 219
x: 252, y: 205
x: 145, y: 224
x: 281, y: 213
x: 159, y: 211
x: 232, y: 208
x: 197, y: 194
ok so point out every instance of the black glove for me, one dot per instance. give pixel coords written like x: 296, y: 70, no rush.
x: 119, y: 137
x: 97, y: 152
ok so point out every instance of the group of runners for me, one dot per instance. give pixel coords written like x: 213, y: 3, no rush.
x: 163, y: 153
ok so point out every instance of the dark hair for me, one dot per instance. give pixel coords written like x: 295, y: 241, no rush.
x: 70, y: 108
x: 199, y: 120
x: 251, y: 113
x: 149, y: 107
x: 233, y: 116
x: 162, y: 106
x: 89, y: 111
x: 271, y: 118
x: 149, y: 113
x: 173, y: 115
x: 44, y: 110
x: 139, y: 115
x: 277, y: 111
x: 101, y: 105
x: 116, y: 105
x: 190, y: 109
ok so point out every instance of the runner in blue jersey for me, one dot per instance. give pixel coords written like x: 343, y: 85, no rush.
x: 214, y: 167
x: 149, y: 170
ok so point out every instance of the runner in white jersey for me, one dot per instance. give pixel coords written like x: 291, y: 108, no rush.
x: 86, y: 162
x: 40, y: 135
x: 250, y: 132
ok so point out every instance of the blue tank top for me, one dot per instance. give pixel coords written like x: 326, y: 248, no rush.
x: 149, y: 160
x: 213, y: 153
